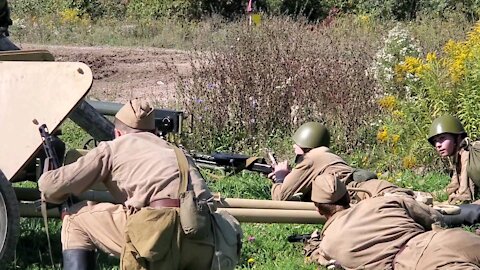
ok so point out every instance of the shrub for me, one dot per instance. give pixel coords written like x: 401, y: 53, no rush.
x: 270, y: 79
x: 435, y: 84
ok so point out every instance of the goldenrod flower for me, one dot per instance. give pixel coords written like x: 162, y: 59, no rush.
x: 70, y: 15
x: 431, y: 56
x: 395, y: 138
x: 364, y: 18
x: 410, y: 65
x: 382, y: 135
x: 409, y: 162
x: 398, y: 114
x: 387, y: 102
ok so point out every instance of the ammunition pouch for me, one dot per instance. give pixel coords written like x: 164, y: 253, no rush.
x: 194, y: 216
x: 151, y: 237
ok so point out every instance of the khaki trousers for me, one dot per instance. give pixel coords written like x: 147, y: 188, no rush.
x: 102, y: 226
x: 453, y: 249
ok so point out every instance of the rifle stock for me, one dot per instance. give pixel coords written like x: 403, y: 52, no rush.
x: 51, y: 163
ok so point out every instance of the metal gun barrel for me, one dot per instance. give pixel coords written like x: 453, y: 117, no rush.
x: 242, y: 214
x: 165, y: 120
x: 245, y: 210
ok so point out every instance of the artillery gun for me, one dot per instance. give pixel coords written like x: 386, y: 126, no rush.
x: 34, y: 87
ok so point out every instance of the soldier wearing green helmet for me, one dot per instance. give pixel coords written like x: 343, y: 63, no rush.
x: 312, y: 135
x: 450, y: 140
x: 314, y: 160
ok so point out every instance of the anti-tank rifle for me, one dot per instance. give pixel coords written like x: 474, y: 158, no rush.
x: 232, y: 162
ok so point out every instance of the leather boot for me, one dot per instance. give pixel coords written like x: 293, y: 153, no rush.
x: 79, y: 259
x: 469, y: 215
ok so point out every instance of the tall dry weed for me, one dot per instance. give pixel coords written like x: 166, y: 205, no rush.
x: 264, y: 81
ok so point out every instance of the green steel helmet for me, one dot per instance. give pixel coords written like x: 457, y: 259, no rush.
x: 445, y: 124
x: 312, y: 135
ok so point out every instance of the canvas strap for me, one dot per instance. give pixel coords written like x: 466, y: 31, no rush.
x: 45, y: 223
x: 183, y: 170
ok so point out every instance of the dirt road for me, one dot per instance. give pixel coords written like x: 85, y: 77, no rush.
x: 123, y: 73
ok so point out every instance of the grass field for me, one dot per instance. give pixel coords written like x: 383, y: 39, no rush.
x: 264, y: 245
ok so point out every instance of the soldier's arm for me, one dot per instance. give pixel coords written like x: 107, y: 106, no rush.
x: 421, y: 213
x: 298, y: 180
x: 77, y: 177
x: 464, y: 188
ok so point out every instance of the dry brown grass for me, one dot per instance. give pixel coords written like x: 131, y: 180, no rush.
x: 265, y: 81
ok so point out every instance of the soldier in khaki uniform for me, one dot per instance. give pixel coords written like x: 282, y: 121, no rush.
x: 311, y: 142
x: 447, y: 135
x: 390, y: 232
x: 141, y: 170
x: 449, y: 138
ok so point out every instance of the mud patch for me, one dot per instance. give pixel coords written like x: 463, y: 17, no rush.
x: 124, y: 73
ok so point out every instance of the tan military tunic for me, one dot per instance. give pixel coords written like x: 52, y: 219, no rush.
x: 136, y: 169
x: 316, y: 162
x: 391, y: 233
x: 321, y: 161
x: 461, y: 187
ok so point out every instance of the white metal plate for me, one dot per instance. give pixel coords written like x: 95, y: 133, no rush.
x: 45, y: 91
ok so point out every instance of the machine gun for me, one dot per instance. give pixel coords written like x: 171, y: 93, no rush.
x: 232, y: 162
x: 299, y: 238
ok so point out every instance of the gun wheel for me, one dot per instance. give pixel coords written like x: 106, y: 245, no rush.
x: 9, y: 220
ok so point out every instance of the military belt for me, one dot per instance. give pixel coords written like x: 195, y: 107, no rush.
x: 162, y: 203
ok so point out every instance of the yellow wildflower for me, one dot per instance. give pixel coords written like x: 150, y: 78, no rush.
x: 474, y: 35
x: 410, y: 65
x: 395, y: 138
x: 398, y: 114
x: 450, y: 47
x: 431, y: 56
x: 70, y: 15
x: 382, y: 135
x: 251, y: 260
x: 387, y: 102
x: 413, y: 65
x: 364, y: 18
x: 409, y: 162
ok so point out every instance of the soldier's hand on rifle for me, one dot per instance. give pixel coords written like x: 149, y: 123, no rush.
x: 280, y: 171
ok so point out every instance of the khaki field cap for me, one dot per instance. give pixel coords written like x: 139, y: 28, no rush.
x: 327, y: 189
x: 138, y: 114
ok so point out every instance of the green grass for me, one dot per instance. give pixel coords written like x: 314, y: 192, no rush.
x: 266, y: 244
